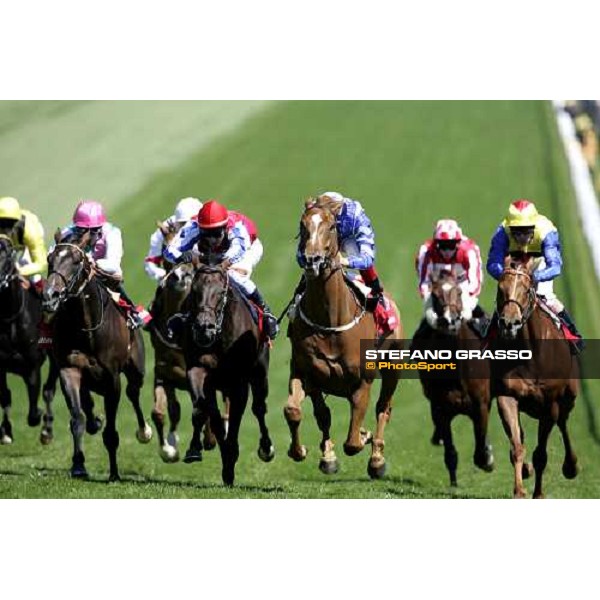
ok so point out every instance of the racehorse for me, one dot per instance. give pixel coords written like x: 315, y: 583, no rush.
x: 92, y: 347
x: 544, y: 387
x: 224, y: 350
x: 169, y: 365
x: 20, y: 313
x: 325, y: 340
x: 466, y: 392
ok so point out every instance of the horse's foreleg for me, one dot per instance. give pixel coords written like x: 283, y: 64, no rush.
x: 357, y: 436
x: 329, y: 463
x: 260, y: 391
x: 33, y: 381
x: 48, y: 393
x: 159, y: 410
x: 569, y: 467
x: 110, y: 435
x: 383, y: 413
x: 174, y: 410
x: 93, y: 422
x: 483, y: 456
x: 6, y: 432
x: 509, y: 415
x: 135, y: 381
x: 540, y: 454
x: 200, y: 413
x: 230, y: 449
x: 293, y: 415
x: 70, y: 383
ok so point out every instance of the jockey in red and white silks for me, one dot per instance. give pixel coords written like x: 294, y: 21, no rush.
x: 450, y: 250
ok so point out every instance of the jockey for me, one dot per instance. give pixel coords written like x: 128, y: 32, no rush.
x: 357, y: 245
x: 27, y: 237
x: 185, y: 210
x: 525, y: 231
x: 105, y: 250
x: 224, y: 236
x: 452, y: 251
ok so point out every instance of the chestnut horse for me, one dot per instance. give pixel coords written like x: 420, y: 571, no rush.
x: 544, y: 387
x: 20, y: 313
x: 169, y: 365
x: 224, y: 350
x: 326, y: 353
x: 92, y: 346
x: 465, y: 393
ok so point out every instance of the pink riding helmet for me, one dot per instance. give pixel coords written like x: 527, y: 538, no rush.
x: 89, y: 214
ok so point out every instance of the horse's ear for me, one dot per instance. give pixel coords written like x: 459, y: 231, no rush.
x: 508, y: 262
x: 84, y: 240
x: 309, y: 202
x: 530, y: 265
x: 57, y: 235
x: 195, y: 261
x: 164, y: 229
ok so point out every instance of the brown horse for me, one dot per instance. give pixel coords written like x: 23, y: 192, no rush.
x: 20, y: 313
x: 325, y: 340
x: 224, y: 350
x: 467, y: 392
x: 169, y: 365
x: 544, y: 387
x: 92, y: 346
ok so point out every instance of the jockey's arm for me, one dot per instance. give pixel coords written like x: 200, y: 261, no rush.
x: 473, y: 269
x: 498, y: 252
x: 552, y: 257
x: 365, y: 240
x: 111, y: 263
x: 185, y: 240
x: 33, y: 238
x: 421, y: 264
x: 239, y: 243
x: 154, y: 259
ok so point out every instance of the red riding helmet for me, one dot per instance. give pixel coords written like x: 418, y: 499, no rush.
x: 212, y: 215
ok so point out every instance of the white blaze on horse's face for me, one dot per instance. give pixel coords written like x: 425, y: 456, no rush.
x: 313, y: 254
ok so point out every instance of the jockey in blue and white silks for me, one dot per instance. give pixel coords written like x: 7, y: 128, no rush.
x: 530, y: 234
x: 224, y: 236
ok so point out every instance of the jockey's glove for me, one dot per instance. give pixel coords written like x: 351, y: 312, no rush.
x: 186, y: 257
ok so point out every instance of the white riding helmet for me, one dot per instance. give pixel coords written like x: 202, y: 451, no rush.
x: 186, y: 209
x: 334, y: 196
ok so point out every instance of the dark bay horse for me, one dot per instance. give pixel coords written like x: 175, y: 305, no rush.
x: 544, y: 387
x: 224, y: 351
x: 325, y: 340
x: 465, y: 393
x: 170, y: 373
x: 92, y: 347
x: 20, y: 313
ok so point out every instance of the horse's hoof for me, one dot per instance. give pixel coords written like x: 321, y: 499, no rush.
x: 228, y: 477
x: 329, y: 467
x: 519, y: 494
x: 377, y: 471
x: 46, y: 437
x: 486, y: 463
x: 570, y: 470
x: 169, y: 454
x: 453, y: 483
x: 144, y: 435
x: 79, y: 473
x: 114, y: 478
x: 93, y: 426
x: 6, y: 440
x: 209, y: 443
x: 173, y: 439
x: 192, y: 456
x: 436, y: 440
x: 298, y: 455
x: 266, y: 455
x: 35, y: 419
x: 527, y: 471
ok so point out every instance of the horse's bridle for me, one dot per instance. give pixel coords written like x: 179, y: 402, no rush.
x: 9, y: 272
x: 526, y: 310
x: 68, y: 290
x: 218, y: 310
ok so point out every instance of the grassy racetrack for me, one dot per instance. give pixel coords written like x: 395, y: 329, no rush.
x: 409, y: 163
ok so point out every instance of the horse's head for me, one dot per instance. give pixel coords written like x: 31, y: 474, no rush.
x: 207, y: 302
x: 179, y: 279
x: 318, y: 235
x: 69, y: 271
x: 447, y: 302
x: 515, y: 298
x: 8, y: 267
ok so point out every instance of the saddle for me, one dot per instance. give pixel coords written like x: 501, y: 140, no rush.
x: 255, y: 311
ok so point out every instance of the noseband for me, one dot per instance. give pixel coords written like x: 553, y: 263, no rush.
x: 526, y: 310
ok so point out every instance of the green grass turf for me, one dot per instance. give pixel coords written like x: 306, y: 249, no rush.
x: 410, y: 163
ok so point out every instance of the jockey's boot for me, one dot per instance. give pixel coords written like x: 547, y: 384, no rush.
x: 382, y: 311
x: 270, y: 320
x: 568, y: 321
x: 138, y: 315
x: 479, y: 321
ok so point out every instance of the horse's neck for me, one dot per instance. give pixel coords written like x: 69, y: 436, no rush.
x: 328, y: 299
x: 536, y: 327
x: 89, y: 304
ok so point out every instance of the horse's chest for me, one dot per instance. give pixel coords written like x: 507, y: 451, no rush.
x: 321, y: 358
